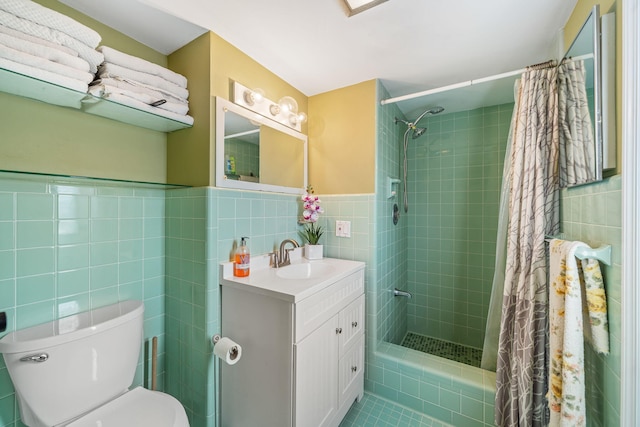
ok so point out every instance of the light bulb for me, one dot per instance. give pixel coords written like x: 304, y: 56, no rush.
x: 252, y: 97
x: 274, y: 109
x: 288, y: 105
x: 296, y: 119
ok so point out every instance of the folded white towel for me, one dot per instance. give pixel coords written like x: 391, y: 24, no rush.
x: 23, y: 36
x: 114, y: 71
x: 44, y: 64
x: 104, y: 90
x: 133, y: 86
x: 133, y: 62
x: 34, y: 12
x: 44, y: 52
x: 50, y: 77
x: 125, y: 100
x: 92, y: 56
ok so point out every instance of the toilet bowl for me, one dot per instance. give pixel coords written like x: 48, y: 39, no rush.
x: 138, y: 407
x: 76, y: 372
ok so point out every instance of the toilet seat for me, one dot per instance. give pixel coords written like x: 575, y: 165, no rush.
x: 137, y: 408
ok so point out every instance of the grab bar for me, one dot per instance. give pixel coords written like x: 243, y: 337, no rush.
x: 398, y: 293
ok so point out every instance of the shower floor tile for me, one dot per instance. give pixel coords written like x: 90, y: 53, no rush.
x: 448, y: 350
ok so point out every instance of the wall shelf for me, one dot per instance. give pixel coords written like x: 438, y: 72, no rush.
x: 29, y: 87
x: 60, y: 179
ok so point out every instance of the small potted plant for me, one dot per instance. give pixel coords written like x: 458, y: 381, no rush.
x: 312, y: 232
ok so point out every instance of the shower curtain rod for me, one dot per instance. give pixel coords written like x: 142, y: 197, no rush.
x: 465, y: 84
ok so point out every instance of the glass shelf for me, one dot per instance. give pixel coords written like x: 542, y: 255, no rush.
x: 29, y: 87
x: 53, y: 178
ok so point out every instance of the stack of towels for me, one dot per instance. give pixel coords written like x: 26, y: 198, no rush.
x: 141, y: 84
x: 44, y: 44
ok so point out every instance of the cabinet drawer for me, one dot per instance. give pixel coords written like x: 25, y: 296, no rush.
x: 351, y: 323
x: 351, y: 369
x: 312, y: 312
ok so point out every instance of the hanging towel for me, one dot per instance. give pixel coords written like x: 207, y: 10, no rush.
x: 577, y: 309
x: 596, y: 329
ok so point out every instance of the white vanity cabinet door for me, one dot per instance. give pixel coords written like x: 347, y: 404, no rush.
x: 351, y: 322
x: 316, y: 379
x: 352, y: 373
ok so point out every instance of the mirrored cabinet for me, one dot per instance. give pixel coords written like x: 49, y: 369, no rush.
x: 256, y: 153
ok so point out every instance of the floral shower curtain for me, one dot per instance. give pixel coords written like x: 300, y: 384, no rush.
x: 521, y: 374
x: 577, y: 145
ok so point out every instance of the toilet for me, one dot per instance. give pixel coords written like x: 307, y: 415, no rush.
x: 76, y: 372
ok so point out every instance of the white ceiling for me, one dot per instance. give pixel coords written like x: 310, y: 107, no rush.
x: 411, y: 45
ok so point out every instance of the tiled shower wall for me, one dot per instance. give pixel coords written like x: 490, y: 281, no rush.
x: 392, y: 251
x: 68, y: 246
x: 593, y: 214
x: 455, y: 175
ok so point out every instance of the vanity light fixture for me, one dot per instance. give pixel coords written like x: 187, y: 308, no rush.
x: 285, y: 111
x: 356, y: 6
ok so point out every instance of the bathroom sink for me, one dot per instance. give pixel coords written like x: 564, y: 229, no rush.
x: 306, y: 270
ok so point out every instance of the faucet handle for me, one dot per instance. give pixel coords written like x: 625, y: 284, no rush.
x: 273, y: 259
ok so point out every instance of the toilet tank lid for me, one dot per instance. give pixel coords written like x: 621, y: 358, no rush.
x: 70, y: 328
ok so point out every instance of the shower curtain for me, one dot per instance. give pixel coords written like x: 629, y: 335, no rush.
x: 577, y: 145
x: 532, y: 184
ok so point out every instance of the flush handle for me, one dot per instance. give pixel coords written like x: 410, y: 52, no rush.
x: 42, y: 357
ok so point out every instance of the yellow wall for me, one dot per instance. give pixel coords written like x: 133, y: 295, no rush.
x: 39, y: 137
x: 282, y: 159
x: 189, y: 150
x: 342, y: 140
x: 226, y: 63
x: 571, y: 29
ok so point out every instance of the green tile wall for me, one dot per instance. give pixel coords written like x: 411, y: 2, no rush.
x: 69, y: 246
x: 592, y: 214
x: 392, y: 245
x: 204, y: 226
x: 447, y: 391
x: 455, y: 175
x: 246, y: 156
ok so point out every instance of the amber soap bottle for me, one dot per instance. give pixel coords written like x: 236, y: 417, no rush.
x: 242, y: 259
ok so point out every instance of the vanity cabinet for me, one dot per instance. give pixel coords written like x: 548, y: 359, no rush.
x: 303, y: 358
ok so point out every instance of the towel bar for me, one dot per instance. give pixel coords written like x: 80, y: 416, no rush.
x: 602, y: 254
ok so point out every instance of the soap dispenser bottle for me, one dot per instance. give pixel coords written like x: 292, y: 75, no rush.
x: 242, y: 259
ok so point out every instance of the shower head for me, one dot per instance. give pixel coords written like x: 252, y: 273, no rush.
x: 417, y: 132
x: 431, y: 111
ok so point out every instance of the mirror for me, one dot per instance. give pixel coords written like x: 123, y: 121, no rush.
x: 587, y: 130
x: 256, y: 153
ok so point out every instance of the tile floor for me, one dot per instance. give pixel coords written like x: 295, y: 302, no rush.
x: 448, y: 350
x: 374, y: 411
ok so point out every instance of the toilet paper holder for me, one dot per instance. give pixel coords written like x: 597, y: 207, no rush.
x: 234, y: 349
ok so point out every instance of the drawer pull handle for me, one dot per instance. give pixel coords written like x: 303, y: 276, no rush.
x: 354, y: 368
x: 338, y: 330
x: 354, y: 324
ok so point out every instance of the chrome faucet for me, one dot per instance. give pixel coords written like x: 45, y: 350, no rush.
x: 281, y: 258
x: 398, y: 293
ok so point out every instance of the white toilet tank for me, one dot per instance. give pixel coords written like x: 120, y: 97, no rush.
x: 74, y: 364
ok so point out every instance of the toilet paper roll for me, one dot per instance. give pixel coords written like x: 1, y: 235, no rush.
x: 228, y: 350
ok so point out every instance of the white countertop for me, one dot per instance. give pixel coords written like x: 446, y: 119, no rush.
x: 265, y: 280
